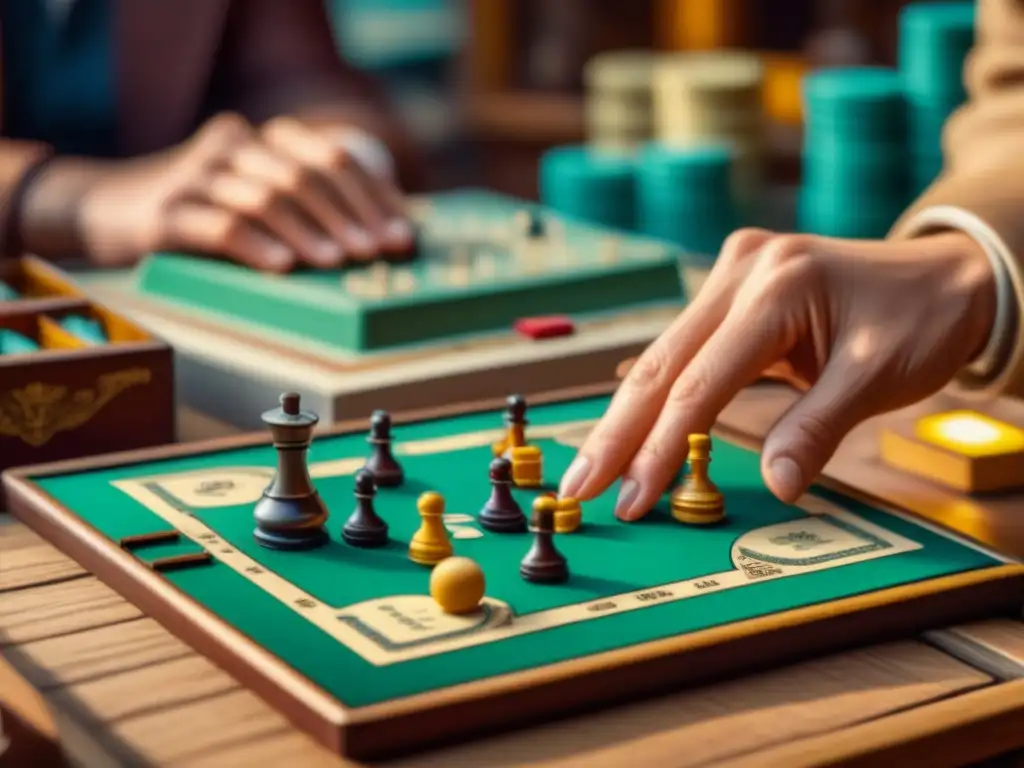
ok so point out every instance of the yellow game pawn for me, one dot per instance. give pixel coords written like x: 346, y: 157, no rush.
x: 568, y: 515
x: 698, y: 501
x: 527, y: 466
x: 457, y: 585
x: 430, y: 545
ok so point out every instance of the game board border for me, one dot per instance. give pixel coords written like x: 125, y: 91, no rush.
x: 513, y: 699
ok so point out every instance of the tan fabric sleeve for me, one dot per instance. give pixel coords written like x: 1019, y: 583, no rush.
x: 983, y: 145
x: 18, y: 159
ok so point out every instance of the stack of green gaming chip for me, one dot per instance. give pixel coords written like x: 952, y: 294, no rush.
x: 854, y: 156
x: 934, y: 39
x: 590, y: 185
x: 686, y: 195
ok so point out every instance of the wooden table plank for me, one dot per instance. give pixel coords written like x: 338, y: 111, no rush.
x: 27, y: 559
x: 63, y: 608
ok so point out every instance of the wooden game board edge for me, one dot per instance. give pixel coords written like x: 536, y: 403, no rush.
x: 944, y: 732
x: 297, y: 698
x: 522, y: 698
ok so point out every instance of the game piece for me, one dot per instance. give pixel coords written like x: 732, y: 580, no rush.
x: 290, y: 514
x: 85, y: 329
x: 544, y: 564
x: 685, y: 195
x: 547, y: 327
x: 855, y: 164
x: 365, y: 528
x: 387, y: 472
x: 568, y: 515
x: 457, y: 584
x: 14, y: 343
x: 965, y: 450
x: 527, y: 466
x: 502, y: 513
x: 934, y: 40
x: 618, y: 107
x: 588, y: 185
x: 698, y: 501
x: 181, y: 562
x: 430, y: 545
x: 515, y: 425
x: 148, y: 539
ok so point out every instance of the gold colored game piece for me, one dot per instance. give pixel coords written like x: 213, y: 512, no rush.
x: 568, y: 515
x: 965, y: 450
x: 457, y: 584
x: 698, y: 501
x: 527, y: 466
x: 430, y: 544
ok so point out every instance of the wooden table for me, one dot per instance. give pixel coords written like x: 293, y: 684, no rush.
x: 123, y: 691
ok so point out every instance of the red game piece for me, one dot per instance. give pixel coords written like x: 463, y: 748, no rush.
x: 547, y: 327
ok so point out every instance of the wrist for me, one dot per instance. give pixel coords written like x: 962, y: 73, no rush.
x: 48, y: 211
x: 972, y: 275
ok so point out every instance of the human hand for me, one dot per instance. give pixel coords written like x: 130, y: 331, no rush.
x: 272, y: 198
x: 864, y: 327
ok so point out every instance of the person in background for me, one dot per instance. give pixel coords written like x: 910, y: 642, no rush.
x: 862, y: 327
x: 223, y: 127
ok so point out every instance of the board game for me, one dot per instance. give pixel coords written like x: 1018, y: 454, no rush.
x: 349, y: 643
x: 485, y: 307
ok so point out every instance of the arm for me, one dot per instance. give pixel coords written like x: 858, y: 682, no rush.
x: 981, y: 191
x: 19, y: 163
x: 279, y: 58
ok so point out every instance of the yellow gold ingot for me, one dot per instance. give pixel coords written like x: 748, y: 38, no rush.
x: 568, y: 515
x: 970, y: 433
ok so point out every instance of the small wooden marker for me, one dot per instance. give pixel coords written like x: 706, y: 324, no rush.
x: 129, y: 543
x: 179, y: 562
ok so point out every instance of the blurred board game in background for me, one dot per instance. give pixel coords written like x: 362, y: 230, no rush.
x: 503, y: 295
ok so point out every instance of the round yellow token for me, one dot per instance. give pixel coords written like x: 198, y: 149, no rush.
x: 457, y: 585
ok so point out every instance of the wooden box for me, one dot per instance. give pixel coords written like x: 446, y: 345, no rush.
x: 37, y: 284
x: 70, y: 398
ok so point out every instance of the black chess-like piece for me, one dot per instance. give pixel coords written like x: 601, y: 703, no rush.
x: 365, y: 528
x: 515, y: 410
x: 535, y: 228
x: 291, y: 514
x: 544, y: 564
x: 386, y: 470
x: 502, y: 513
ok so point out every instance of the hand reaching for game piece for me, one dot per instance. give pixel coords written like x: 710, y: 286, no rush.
x: 863, y: 327
x: 271, y: 198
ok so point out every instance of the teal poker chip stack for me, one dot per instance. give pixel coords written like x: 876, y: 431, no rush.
x: 685, y: 195
x: 855, y: 176
x: 591, y: 185
x: 934, y: 40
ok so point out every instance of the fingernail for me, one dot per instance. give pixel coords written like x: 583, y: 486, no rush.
x: 398, y: 232
x: 362, y: 241
x: 327, y: 254
x: 627, y: 497
x: 278, y: 256
x: 574, y: 476
x: 786, y: 477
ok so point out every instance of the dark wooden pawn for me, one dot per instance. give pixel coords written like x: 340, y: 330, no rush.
x: 515, y: 410
x: 365, y: 528
x: 290, y: 514
x: 386, y: 470
x: 544, y: 564
x: 502, y: 513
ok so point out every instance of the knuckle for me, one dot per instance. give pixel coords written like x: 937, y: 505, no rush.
x: 692, y: 387
x: 232, y: 228
x: 649, y: 371
x: 742, y: 243
x: 819, y: 434
x: 782, y: 249
x: 297, y: 180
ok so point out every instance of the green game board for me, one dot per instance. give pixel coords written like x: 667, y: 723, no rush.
x: 476, y: 272
x: 344, y: 617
